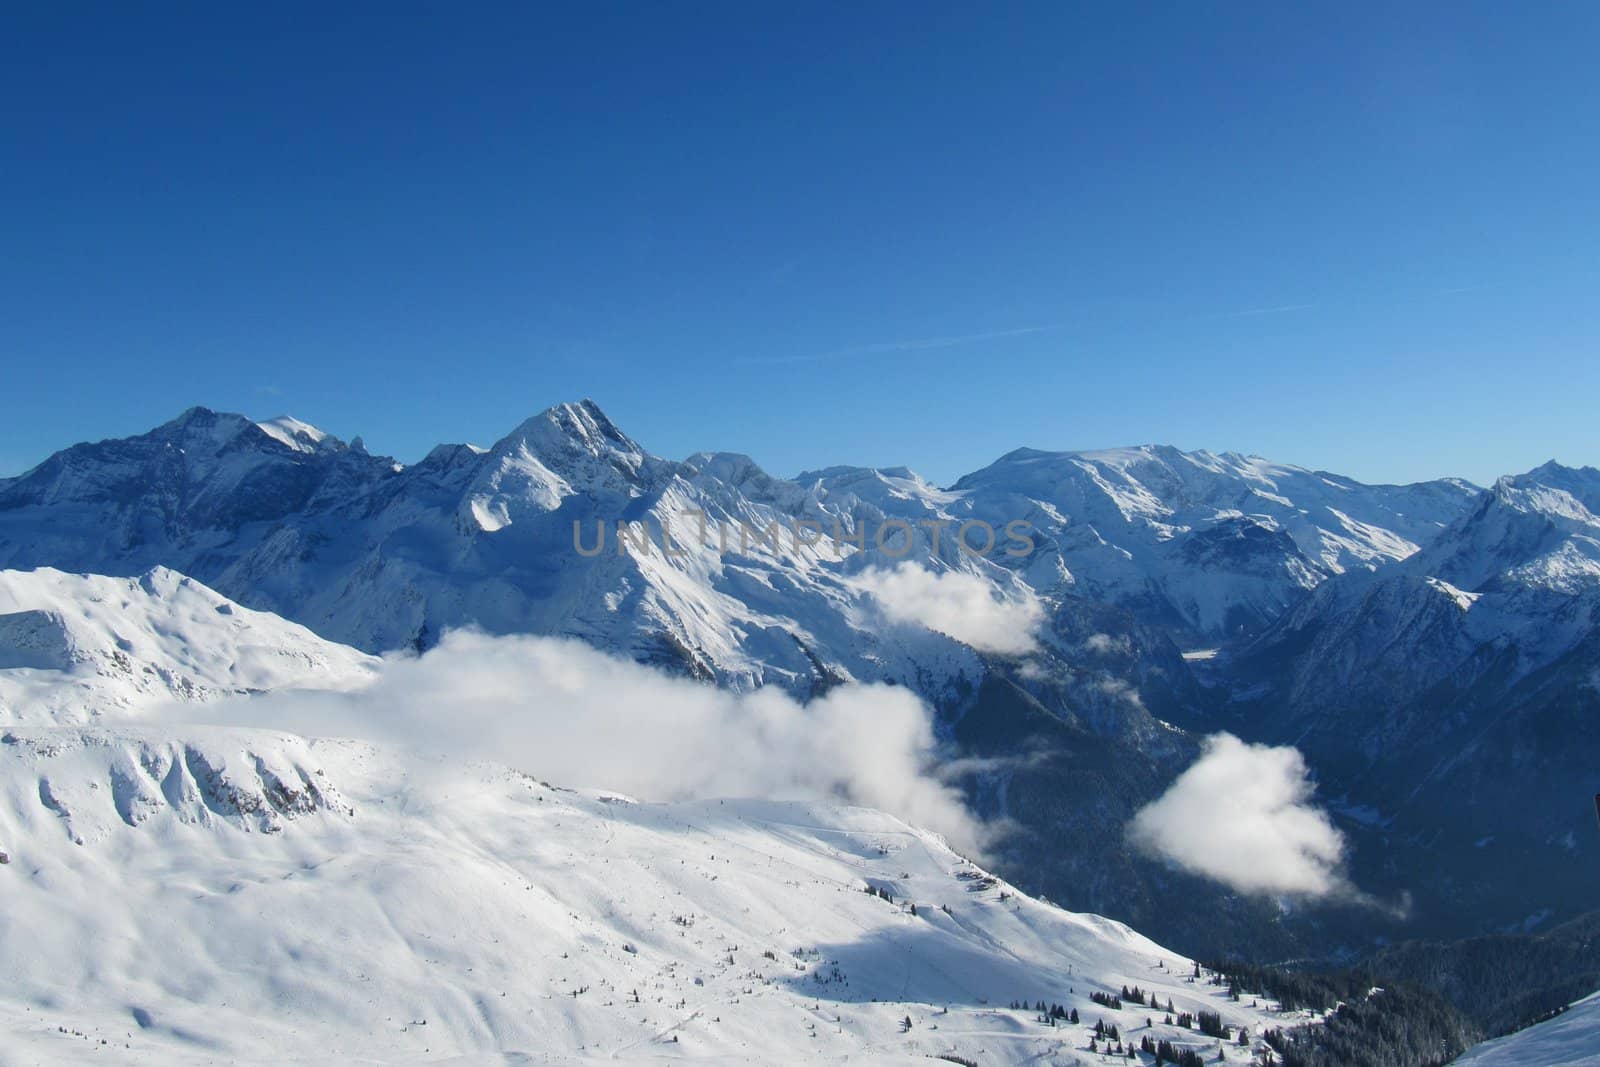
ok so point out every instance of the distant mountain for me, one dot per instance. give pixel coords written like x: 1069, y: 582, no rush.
x: 1454, y: 700
x: 1214, y: 546
x: 282, y: 516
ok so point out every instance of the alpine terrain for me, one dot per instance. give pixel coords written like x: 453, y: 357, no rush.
x: 180, y: 612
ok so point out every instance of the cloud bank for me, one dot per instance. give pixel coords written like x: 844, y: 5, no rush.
x: 566, y: 712
x: 1242, y: 815
x: 961, y: 605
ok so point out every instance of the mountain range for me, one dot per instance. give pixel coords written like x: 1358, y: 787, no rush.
x: 1430, y: 647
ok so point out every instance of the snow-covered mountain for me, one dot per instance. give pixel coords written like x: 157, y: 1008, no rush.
x: 370, y: 554
x: 178, y: 892
x: 1453, y: 698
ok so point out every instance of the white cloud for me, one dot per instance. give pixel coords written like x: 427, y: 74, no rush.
x: 566, y: 712
x: 1242, y: 815
x: 961, y: 605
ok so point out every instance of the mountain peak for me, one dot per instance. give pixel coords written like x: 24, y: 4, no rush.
x: 192, y: 414
x: 199, y: 418
x: 579, y: 426
x: 200, y: 426
x: 300, y: 436
x: 561, y: 450
x: 1581, y: 483
x: 1561, y: 494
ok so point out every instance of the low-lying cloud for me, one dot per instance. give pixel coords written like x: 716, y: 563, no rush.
x: 961, y: 605
x: 564, y: 711
x: 1242, y: 815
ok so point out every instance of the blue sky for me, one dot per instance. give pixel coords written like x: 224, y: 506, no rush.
x: 1359, y: 237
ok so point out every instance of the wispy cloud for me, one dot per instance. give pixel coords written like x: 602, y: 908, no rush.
x: 917, y: 344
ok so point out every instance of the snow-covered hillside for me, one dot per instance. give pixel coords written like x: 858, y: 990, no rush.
x: 74, y: 647
x: 247, y: 896
x: 179, y: 893
x: 1571, y: 1039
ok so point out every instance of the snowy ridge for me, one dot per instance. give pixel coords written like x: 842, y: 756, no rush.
x: 1218, y: 543
x: 74, y: 647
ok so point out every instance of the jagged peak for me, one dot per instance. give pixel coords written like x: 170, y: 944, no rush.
x: 578, y: 426
x: 1581, y: 483
x: 1572, y: 501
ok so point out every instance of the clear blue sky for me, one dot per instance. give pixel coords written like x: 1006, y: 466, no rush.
x: 1357, y: 236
